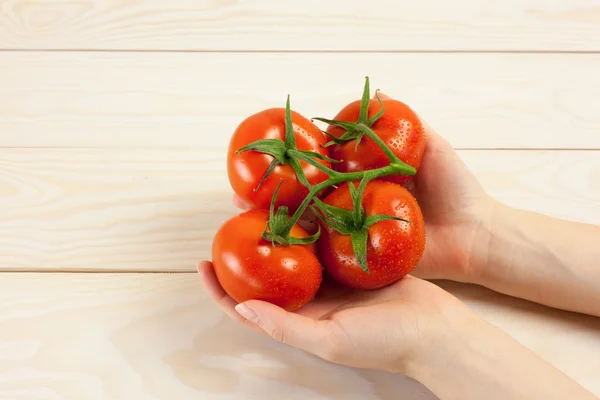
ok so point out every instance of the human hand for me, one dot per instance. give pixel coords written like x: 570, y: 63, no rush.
x: 456, y: 210
x: 457, y: 213
x: 394, y: 328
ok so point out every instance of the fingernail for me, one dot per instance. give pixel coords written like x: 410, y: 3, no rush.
x: 247, y: 313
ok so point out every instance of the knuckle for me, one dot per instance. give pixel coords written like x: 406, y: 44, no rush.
x: 279, y: 334
x: 332, y: 349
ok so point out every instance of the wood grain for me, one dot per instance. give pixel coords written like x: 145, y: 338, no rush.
x: 192, y: 99
x: 157, y: 336
x: 335, y: 25
x: 157, y: 210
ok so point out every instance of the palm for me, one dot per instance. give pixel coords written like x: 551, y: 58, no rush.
x: 333, y: 301
x: 361, y: 326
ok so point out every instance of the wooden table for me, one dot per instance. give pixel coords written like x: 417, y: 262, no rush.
x: 114, y: 119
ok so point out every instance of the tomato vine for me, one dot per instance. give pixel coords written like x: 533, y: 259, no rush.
x: 347, y: 222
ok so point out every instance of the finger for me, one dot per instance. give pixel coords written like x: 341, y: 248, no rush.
x: 240, y: 203
x: 287, y: 327
x: 219, y: 296
x: 434, y: 140
x: 215, y: 291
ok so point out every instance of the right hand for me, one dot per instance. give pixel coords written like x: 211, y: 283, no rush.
x: 456, y: 209
x: 457, y: 213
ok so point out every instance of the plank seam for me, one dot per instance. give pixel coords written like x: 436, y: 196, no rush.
x: 283, y: 51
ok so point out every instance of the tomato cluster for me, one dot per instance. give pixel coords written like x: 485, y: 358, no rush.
x: 371, y: 231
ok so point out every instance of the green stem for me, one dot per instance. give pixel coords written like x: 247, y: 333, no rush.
x: 405, y: 169
x: 287, y: 152
x: 369, y: 132
x: 396, y: 166
x: 339, y: 178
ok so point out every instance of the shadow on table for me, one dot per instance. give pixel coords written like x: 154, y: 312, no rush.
x: 227, y: 359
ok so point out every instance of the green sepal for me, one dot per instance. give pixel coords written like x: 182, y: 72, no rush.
x: 347, y: 125
x: 350, y: 134
x: 307, y: 240
x: 280, y: 219
x: 357, y: 197
x: 334, y: 139
x: 338, y: 218
x: 277, y: 220
x: 319, y: 156
x: 363, y: 116
x: 353, y: 193
x: 295, y: 164
x: 275, y: 231
x: 358, y: 211
x: 272, y: 205
x: 273, y: 147
x: 290, y: 139
x: 359, y: 246
x: 272, y: 166
x: 358, y: 140
x: 373, y: 219
x: 352, y: 131
x: 379, y: 114
x: 332, y: 223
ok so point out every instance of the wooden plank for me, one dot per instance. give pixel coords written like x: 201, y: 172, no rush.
x: 307, y: 25
x: 157, y: 210
x: 157, y: 336
x: 197, y: 99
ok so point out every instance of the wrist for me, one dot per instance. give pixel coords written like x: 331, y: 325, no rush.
x: 444, y: 341
x: 485, y: 362
x: 491, y: 249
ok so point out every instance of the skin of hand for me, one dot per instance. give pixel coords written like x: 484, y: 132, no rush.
x: 473, y: 238
x: 456, y: 210
x: 543, y: 259
x: 414, y: 327
x: 411, y: 327
x: 386, y: 329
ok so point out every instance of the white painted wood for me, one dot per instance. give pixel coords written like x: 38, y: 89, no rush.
x: 197, y: 99
x: 336, y: 25
x: 114, y: 161
x: 157, y: 210
x: 157, y: 336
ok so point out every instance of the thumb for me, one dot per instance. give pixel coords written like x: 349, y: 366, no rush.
x: 287, y: 327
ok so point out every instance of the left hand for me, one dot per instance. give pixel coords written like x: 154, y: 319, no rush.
x: 409, y: 322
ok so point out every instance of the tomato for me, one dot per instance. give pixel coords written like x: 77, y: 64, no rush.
x: 249, y: 267
x: 393, y: 247
x: 245, y: 170
x: 399, y: 128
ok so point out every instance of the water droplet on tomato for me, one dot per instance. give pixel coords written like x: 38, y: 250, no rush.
x: 289, y: 264
x: 264, y: 250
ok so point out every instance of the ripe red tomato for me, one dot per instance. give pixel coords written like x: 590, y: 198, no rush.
x: 399, y: 128
x: 393, y: 247
x: 245, y: 170
x: 249, y: 267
